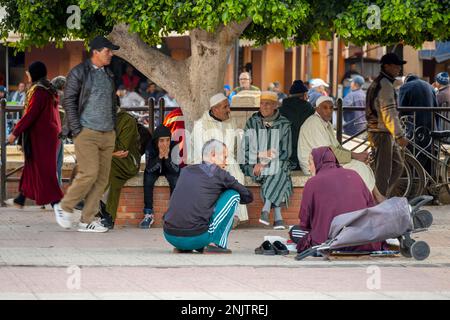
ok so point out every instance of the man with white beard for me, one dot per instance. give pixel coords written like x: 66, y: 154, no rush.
x: 217, y: 124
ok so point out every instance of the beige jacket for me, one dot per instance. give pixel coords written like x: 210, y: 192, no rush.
x: 386, y: 118
x: 315, y: 133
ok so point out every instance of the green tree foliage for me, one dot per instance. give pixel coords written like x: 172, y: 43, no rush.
x: 408, y: 21
x: 299, y: 21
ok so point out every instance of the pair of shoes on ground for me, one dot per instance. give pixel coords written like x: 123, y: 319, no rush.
x: 277, y: 225
x: 64, y: 219
x: 209, y: 249
x: 271, y: 249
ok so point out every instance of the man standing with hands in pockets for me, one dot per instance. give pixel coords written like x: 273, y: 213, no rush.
x: 90, y: 105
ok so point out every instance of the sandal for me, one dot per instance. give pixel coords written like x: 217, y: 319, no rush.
x: 266, y: 248
x: 280, y: 248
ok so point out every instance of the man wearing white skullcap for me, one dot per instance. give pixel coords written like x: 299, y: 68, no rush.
x: 317, y: 131
x: 217, y: 124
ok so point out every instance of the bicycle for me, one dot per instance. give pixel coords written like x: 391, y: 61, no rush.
x: 416, y: 179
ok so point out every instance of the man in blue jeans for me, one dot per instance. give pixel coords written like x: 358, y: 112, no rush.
x: 203, y: 204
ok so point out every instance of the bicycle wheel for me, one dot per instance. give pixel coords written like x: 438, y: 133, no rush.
x: 445, y: 173
x: 404, y: 184
x: 413, y: 180
x: 418, y: 177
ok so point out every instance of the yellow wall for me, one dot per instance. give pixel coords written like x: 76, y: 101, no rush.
x: 247, y: 52
x: 272, y: 65
x: 59, y: 61
x: 320, y: 61
x: 414, y: 64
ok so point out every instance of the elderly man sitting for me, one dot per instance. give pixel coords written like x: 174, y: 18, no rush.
x: 217, y: 124
x: 317, y: 131
x: 203, y: 203
x: 268, y: 146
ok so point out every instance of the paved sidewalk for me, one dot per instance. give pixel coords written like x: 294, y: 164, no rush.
x: 38, y: 260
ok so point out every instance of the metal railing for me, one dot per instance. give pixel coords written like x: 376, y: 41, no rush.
x: 4, y: 109
x: 150, y: 108
x: 435, y: 113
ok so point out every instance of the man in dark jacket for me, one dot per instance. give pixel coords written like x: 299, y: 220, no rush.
x: 158, y: 163
x: 90, y: 106
x: 204, y: 202
x: 418, y: 93
x: 296, y: 109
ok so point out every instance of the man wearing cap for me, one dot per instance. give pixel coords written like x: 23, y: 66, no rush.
x: 217, y: 124
x: 317, y: 131
x: 90, y: 106
x: 267, y: 148
x: 296, y: 109
x: 317, y: 90
x: 443, y: 96
x: 355, y: 98
x: 385, y: 132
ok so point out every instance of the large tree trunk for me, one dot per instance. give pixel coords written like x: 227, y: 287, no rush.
x: 192, y: 81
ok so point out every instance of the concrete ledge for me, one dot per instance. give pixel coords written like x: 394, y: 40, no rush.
x: 298, y: 180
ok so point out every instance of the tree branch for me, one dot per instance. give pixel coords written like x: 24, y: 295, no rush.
x: 161, y: 69
x: 233, y: 30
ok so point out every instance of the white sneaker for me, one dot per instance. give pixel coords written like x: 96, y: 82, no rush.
x: 63, y: 218
x: 94, y: 226
x: 11, y: 203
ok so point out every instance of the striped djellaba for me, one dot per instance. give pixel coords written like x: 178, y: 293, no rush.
x: 260, y: 136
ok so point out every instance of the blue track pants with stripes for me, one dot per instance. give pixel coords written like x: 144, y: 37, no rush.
x: 219, y: 226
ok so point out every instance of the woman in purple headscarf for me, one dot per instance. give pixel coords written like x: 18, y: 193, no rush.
x: 331, y: 191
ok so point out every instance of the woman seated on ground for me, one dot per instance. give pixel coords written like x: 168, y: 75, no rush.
x: 331, y: 191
